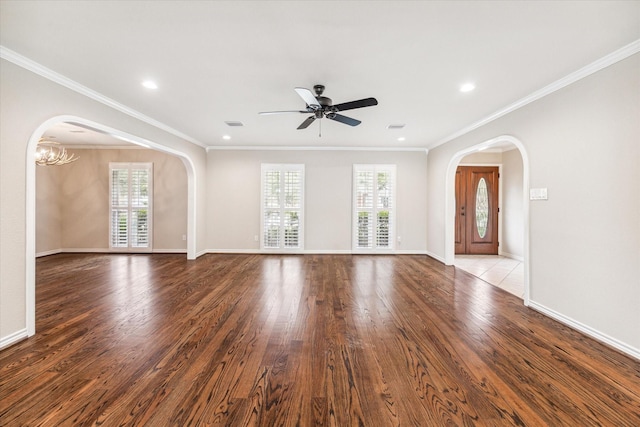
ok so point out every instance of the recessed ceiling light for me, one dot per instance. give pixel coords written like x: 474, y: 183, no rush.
x: 396, y: 126
x: 226, y: 137
x: 402, y: 138
x: 234, y: 123
x: 467, y: 87
x: 150, y: 84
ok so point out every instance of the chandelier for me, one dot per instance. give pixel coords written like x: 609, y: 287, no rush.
x: 50, y: 153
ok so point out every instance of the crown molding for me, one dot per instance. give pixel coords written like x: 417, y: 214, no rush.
x: 58, y: 78
x: 616, y: 56
x: 313, y: 148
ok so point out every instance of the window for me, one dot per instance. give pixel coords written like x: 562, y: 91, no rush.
x: 374, y: 207
x: 282, y: 202
x: 130, y: 189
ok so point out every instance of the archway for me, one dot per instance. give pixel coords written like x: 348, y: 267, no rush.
x: 449, y: 249
x: 31, y: 198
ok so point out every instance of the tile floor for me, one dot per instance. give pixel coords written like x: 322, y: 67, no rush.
x: 505, y: 273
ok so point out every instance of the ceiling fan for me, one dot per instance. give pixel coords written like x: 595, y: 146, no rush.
x: 321, y: 106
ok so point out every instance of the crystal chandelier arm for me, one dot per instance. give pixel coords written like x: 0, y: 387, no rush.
x: 50, y: 153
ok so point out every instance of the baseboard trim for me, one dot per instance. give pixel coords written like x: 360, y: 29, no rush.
x: 88, y: 251
x: 312, y: 252
x: 587, y: 330
x: 243, y: 251
x: 234, y: 251
x: 169, y: 251
x: 47, y: 253
x: 202, y: 252
x: 13, y: 338
x: 103, y: 250
x: 410, y: 252
x: 436, y: 257
x: 512, y: 256
x: 327, y: 252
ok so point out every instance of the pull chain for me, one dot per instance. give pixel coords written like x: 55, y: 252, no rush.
x: 320, y: 130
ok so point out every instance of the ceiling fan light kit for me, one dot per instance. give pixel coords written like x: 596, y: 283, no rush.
x: 320, y: 106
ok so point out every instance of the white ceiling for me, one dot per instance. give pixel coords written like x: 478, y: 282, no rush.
x: 73, y: 135
x: 216, y: 61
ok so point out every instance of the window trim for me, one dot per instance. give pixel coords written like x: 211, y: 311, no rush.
x: 375, y: 168
x: 132, y: 165
x: 282, y: 167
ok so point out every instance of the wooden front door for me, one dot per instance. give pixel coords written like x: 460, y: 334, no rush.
x: 476, y: 210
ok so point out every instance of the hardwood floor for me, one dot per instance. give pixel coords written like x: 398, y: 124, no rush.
x: 300, y: 340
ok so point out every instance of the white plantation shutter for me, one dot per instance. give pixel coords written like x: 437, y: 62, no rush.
x: 364, y: 208
x: 139, y: 230
x: 272, y: 212
x: 130, y: 205
x: 383, y: 185
x: 373, y: 207
x: 119, y: 183
x: 292, y: 207
x: 282, y: 206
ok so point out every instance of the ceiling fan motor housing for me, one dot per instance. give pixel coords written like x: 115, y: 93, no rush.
x: 322, y: 100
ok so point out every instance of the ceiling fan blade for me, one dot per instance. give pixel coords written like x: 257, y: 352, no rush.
x: 308, y: 97
x: 344, y: 119
x: 367, y: 102
x: 266, y: 113
x: 307, y: 122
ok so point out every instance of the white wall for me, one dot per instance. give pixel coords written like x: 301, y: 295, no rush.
x: 234, y: 197
x: 512, y: 243
x: 27, y: 101
x: 482, y: 158
x: 48, y: 210
x: 582, y: 143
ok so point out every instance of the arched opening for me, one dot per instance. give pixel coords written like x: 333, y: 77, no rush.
x: 450, y: 212
x: 31, y: 196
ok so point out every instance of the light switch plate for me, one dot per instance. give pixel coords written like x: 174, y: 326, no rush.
x: 538, y: 194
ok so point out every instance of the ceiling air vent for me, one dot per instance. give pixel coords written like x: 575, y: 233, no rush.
x: 234, y: 124
x: 395, y: 126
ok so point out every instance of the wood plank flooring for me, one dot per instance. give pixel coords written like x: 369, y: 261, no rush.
x: 266, y: 340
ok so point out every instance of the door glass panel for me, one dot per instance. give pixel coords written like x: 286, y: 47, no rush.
x: 482, y: 208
